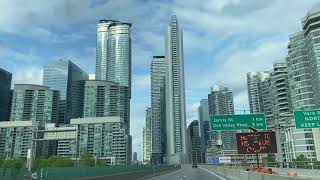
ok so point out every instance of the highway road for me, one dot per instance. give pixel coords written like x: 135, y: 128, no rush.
x: 188, y: 173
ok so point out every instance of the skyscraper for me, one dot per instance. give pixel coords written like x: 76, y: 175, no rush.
x: 34, y: 103
x: 311, y: 32
x: 66, y: 77
x: 102, y: 49
x: 282, y: 109
x: 204, y: 123
x: 5, y: 85
x: 113, y: 61
x: 221, y: 102
x: 260, y: 93
x: 175, y: 94
x: 158, y: 72
x: 300, y: 141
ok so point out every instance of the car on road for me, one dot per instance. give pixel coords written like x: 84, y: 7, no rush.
x: 194, y: 165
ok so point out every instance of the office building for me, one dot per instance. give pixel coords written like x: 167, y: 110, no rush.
x: 260, y: 94
x: 204, y: 125
x: 194, y: 142
x: 67, y: 78
x: 158, y: 106
x: 147, y: 137
x: 34, y: 103
x: 221, y: 102
x: 175, y: 94
x: 5, y: 85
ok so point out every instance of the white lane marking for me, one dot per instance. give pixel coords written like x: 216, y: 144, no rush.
x: 212, y: 173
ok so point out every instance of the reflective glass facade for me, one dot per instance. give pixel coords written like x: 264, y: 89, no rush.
x: 102, y: 49
x: 158, y: 72
x: 119, y: 54
x: 68, y: 79
x: 5, y: 85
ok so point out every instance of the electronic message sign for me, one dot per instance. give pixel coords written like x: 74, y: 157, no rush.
x: 256, y: 143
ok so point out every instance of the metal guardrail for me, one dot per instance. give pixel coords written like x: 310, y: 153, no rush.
x: 69, y: 173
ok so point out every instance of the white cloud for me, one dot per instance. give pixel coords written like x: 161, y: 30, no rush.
x: 141, y: 82
x: 27, y: 75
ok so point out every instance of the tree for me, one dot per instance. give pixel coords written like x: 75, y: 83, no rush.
x: 300, y: 158
x: 269, y: 159
x: 53, y: 161
x: 87, y: 160
x: 13, y: 163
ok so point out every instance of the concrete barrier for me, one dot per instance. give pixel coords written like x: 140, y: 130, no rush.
x: 237, y: 174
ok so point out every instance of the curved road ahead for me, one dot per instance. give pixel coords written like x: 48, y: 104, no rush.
x: 188, y: 173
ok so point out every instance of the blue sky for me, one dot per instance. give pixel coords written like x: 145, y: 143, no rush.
x: 223, y: 40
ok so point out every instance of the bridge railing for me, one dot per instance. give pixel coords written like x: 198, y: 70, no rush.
x: 297, y: 165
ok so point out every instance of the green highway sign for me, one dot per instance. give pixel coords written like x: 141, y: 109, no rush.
x: 307, y: 118
x: 237, y: 122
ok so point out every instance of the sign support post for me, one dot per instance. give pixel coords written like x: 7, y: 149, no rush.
x: 257, y: 155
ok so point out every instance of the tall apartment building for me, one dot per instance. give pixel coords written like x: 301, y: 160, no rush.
x: 102, y: 48
x: 204, y: 124
x: 113, y: 60
x: 175, y: 94
x: 103, y: 137
x: 5, y: 85
x: 67, y: 78
x: 103, y: 98
x: 260, y: 94
x: 282, y: 106
x: 147, y: 137
x: 221, y: 102
x: 16, y: 138
x: 301, y: 141
x: 158, y: 106
x: 34, y: 103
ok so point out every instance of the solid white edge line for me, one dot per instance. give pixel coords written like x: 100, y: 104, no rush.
x: 212, y: 173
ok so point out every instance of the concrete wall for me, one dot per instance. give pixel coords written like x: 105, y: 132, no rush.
x: 310, y: 173
x: 236, y: 174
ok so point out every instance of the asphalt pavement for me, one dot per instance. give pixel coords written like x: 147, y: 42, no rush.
x: 188, y: 173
